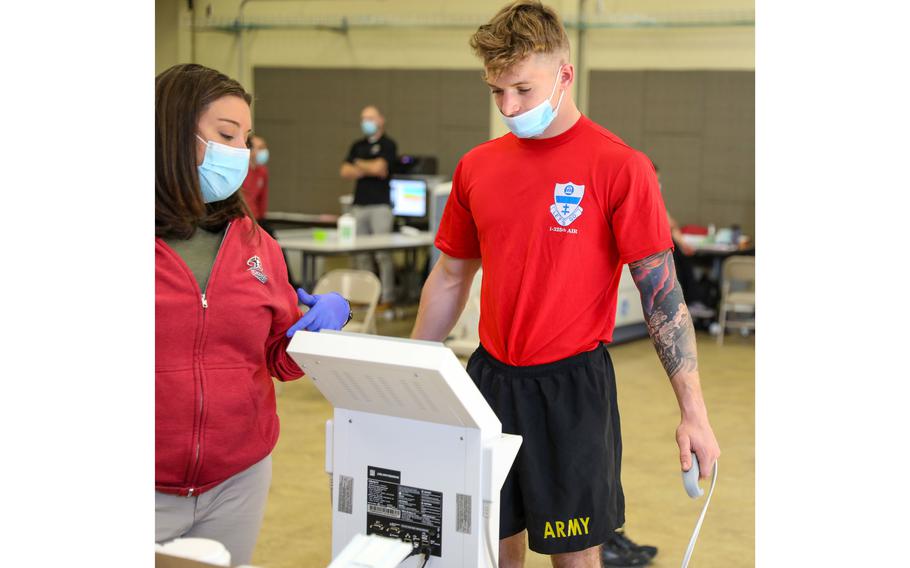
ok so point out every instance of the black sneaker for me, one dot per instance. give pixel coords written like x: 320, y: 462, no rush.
x: 647, y: 550
x: 617, y: 553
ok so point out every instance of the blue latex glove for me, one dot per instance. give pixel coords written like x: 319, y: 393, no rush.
x: 327, y: 311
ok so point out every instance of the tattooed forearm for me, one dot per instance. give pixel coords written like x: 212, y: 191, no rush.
x: 665, y: 312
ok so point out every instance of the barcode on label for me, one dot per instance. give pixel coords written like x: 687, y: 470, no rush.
x: 463, y: 513
x: 345, y: 494
x: 386, y: 511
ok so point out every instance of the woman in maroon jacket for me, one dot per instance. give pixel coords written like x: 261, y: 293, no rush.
x: 224, y: 314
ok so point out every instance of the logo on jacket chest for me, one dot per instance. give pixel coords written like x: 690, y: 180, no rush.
x: 255, y: 268
x: 567, y: 202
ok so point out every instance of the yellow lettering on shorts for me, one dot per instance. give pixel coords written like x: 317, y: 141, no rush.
x: 572, y: 527
x: 548, y: 531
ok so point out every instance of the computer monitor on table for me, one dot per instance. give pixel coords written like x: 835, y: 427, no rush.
x: 409, y: 199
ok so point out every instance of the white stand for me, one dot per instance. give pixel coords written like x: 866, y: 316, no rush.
x: 372, y: 552
x: 414, y: 450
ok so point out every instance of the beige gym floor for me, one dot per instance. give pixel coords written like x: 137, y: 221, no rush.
x: 296, y: 532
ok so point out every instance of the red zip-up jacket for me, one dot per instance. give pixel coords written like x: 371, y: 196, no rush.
x: 215, y: 353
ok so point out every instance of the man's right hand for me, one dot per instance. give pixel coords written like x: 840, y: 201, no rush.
x: 696, y: 435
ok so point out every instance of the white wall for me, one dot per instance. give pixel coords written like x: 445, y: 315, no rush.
x: 426, y: 47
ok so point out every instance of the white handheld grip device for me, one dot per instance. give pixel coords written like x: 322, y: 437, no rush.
x: 690, y: 479
x: 690, y: 482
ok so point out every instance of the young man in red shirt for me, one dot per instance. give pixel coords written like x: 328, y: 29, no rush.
x: 553, y: 210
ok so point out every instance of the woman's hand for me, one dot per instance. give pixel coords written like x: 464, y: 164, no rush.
x: 327, y: 311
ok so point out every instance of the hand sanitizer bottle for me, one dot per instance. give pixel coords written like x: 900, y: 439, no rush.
x: 347, y: 229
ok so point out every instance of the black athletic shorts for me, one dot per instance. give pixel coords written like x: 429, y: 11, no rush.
x: 564, y: 486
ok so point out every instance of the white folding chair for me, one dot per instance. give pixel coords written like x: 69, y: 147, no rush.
x: 737, y: 294
x: 359, y: 287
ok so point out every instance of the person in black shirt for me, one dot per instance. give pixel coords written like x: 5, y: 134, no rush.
x: 369, y: 162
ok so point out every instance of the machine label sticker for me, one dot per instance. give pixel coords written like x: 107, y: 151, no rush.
x: 345, y: 494
x: 463, y: 513
x: 410, y: 514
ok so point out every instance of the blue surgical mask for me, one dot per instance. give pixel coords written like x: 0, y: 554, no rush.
x: 262, y: 157
x: 222, y: 170
x: 369, y: 127
x: 535, y: 121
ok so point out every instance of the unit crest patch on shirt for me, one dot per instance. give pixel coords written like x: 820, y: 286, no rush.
x: 567, y: 197
x: 255, y: 268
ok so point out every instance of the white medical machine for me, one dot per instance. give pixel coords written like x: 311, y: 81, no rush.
x: 414, y: 450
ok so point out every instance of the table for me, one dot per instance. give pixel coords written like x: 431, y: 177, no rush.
x: 303, y: 240
x: 302, y: 219
x: 705, y: 249
x: 717, y: 253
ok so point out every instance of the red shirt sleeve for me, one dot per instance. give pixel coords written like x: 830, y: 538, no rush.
x: 457, y: 235
x: 637, y: 211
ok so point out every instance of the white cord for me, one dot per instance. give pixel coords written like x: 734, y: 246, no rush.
x: 701, y: 519
x: 489, y: 539
x: 689, y: 549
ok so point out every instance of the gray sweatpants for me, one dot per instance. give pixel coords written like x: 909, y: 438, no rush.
x: 231, y: 512
x: 376, y: 220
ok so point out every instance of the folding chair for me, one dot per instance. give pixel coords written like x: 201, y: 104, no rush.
x: 737, y: 294
x: 361, y: 288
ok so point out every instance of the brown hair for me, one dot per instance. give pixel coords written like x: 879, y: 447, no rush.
x: 516, y: 31
x: 182, y: 93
